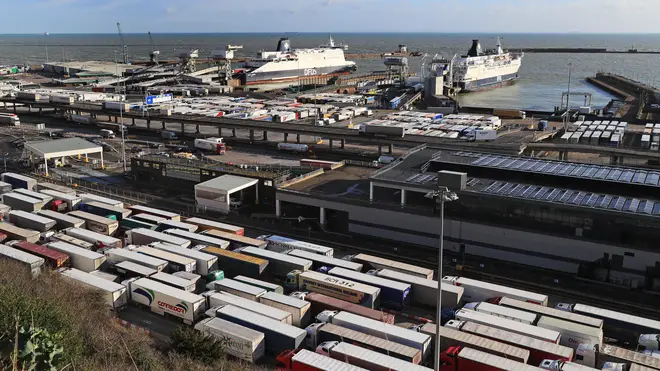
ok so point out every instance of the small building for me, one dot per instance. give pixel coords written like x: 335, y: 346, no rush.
x: 216, y: 194
x: 60, y: 148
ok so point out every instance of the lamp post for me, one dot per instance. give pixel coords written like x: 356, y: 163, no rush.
x: 568, y: 97
x: 445, y: 195
x: 121, y: 117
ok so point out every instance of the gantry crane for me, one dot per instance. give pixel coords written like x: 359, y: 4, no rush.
x: 153, y: 55
x: 124, y: 49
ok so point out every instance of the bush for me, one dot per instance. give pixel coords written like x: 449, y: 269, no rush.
x: 194, y: 344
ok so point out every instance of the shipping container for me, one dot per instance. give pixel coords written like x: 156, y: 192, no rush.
x: 238, y: 341
x: 354, y: 292
x: 15, y: 233
x: 174, y: 281
x: 375, y: 262
x: 62, y: 221
x: 173, y: 224
x: 474, y: 290
x: 214, y: 300
x: 80, y: 258
x: 551, y: 312
x: 26, y: 220
x: 504, y: 312
x: 509, y: 325
x: 424, y: 291
x: 235, y: 240
x: 281, y: 244
x: 279, y: 265
x: 279, y: 336
x: 393, y: 294
x: 143, y: 236
x: 205, y: 262
x: 128, y: 269
x: 115, y: 256
x: 322, y: 303
x: 164, y: 299
x: 329, y: 262
x: 268, y: 286
x: 101, y: 209
x: 21, y: 202
x: 205, y: 224
x: 114, y: 293
x: 175, y: 263
x: 139, y: 209
x: 34, y: 263
x: 19, y: 181
x: 70, y: 202
x: 368, y: 359
x: 237, y: 288
x: 95, y: 223
x: 196, y: 238
x: 299, y: 309
x: 99, y: 240
x: 88, y: 197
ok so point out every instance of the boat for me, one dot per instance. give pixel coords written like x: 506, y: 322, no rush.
x: 480, y: 70
x: 287, y: 65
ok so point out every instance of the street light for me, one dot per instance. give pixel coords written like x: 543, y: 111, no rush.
x: 445, y: 195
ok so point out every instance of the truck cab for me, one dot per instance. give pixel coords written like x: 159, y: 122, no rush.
x: 326, y: 316
x: 311, y: 339
x: 291, y: 282
x: 299, y: 294
x: 283, y: 360
x: 325, y: 347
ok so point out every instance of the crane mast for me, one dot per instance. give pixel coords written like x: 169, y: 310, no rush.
x: 124, y: 49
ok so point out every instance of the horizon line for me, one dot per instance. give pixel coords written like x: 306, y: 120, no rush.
x: 337, y: 33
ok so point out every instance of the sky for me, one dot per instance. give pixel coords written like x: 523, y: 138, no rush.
x: 477, y: 16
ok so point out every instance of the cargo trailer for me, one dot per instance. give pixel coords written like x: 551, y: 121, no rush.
x: 197, y: 239
x: 140, y: 209
x: 34, y: 263
x: 467, y: 359
x: 62, y: 221
x: 235, y: 240
x: 69, y: 202
x: 237, y: 288
x: 238, y: 341
x: 148, y: 218
x: 164, y: 299
x: 235, y: 263
x: 132, y: 223
x: 106, y: 276
x: 205, y: 224
x: 279, y: 265
x: 379, y: 329
x: 114, y: 293
x: 80, y: 258
x: 143, y: 236
x: 204, y: 262
x: 15, y: 233
x: 538, y: 349
x: 115, y: 256
x: 379, y: 130
x: 366, y: 358
x: 299, y: 309
x: 101, y: 209
x: 509, y: 325
x: 551, y: 312
x: 504, y: 312
x: 19, y: 181
x: 88, y: 197
x: 53, y: 258
x: 375, y: 262
x: 340, y: 288
x: 279, y: 336
x: 72, y: 240
x: 21, y: 202
x: 174, y: 281
x: 44, y: 186
x: 450, y: 337
x: 39, y: 196
x: 99, y: 240
x: 424, y: 291
x: 572, y: 334
x: 5, y: 187
x: 474, y: 290
x: 128, y: 269
x: 393, y: 294
x: 175, y: 263
x: 305, y: 360
x: 173, y: 224
x: 281, y: 244
x: 318, y: 333
x: 270, y: 287
x: 322, y: 303
x: 23, y: 219
x: 95, y: 223
x: 219, y: 299
x: 329, y: 262
x: 595, y: 356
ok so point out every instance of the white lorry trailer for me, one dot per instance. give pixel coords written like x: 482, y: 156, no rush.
x: 32, y: 221
x: 237, y: 288
x: 424, y: 290
x: 34, y: 263
x: 143, y: 236
x: 218, y: 299
x: 114, y: 293
x: 474, y: 290
x: 62, y: 221
x: 504, y: 312
x: 238, y: 341
x: 299, y: 309
x: 164, y: 299
x: 80, y: 258
x: 99, y: 240
x: 114, y: 256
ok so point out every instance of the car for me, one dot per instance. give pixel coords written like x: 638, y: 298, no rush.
x: 156, y: 145
x: 162, y: 154
x: 235, y: 204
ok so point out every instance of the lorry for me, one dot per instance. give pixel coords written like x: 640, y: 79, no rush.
x: 53, y: 258
x: 141, y: 209
x: 368, y: 359
x: 507, y: 324
x: 115, y: 294
x: 68, y: 202
x: 44, y: 186
x: 509, y: 113
x: 195, y: 238
x: 164, y: 299
x: 95, y: 223
x: 450, y: 337
x: 279, y: 265
x: 18, y: 201
x: 279, y: 336
x: 168, y: 135
x: 423, y: 291
x: 319, y: 260
x: 115, y: 256
x: 62, y: 221
x: 218, y: 299
x: 88, y: 197
x: 467, y: 359
x: 318, y: 333
x: 382, y: 131
x: 269, y: 287
x: 33, y: 263
x: 572, y: 334
x: 551, y: 312
x: 80, y: 258
x: 379, y: 329
x: 235, y: 241
x: 281, y: 244
x: 100, y: 241
x: 19, y: 181
x: 32, y: 221
x: 214, y: 145
x: 174, y: 281
x: 5, y: 187
x: 293, y: 147
x: 504, y: 312
x: 371, y: 262
x: 173, y: 224
x: 299, y: 309
x: 71, y: 240
x: 236, y: 263
x: 205, y: 262
x: 238, y: 341
x: 205, y: 224
x: 148, y: 218
x: 354, y: 292
x: 116, y: 106
x: 101, y: 209
x: 237, y: 288
x: 39, y: 196
x: 143, y: 236
x: 305, y: 360
x: 597, y: 356
x: 393, y: 294
x: 132, y: 223
x: 128, y: 269
x: 175, y: 263
x: 538, y: 349
x: 474, y: 290
x: 485, y: 135
x: 555, y: 365
x: 16, y: 233
x: 322, y: 303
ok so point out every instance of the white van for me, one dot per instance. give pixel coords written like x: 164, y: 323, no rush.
x: 106, y: 133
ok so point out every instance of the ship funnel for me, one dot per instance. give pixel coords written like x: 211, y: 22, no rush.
x: 475, y: 50
x: 284, y: 45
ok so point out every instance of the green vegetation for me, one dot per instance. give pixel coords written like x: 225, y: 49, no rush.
x: 50, y: 323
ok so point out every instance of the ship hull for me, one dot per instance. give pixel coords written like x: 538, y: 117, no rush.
x: 258, y: 77
x: 488, y: 83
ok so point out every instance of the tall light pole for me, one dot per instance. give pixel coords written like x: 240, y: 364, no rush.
x: 445, y: 195
x: 121, y: 118
x: 568, y: 96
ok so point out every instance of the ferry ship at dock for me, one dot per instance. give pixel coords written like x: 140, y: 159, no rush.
x: 479, y: 70
x: 286, y: 65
